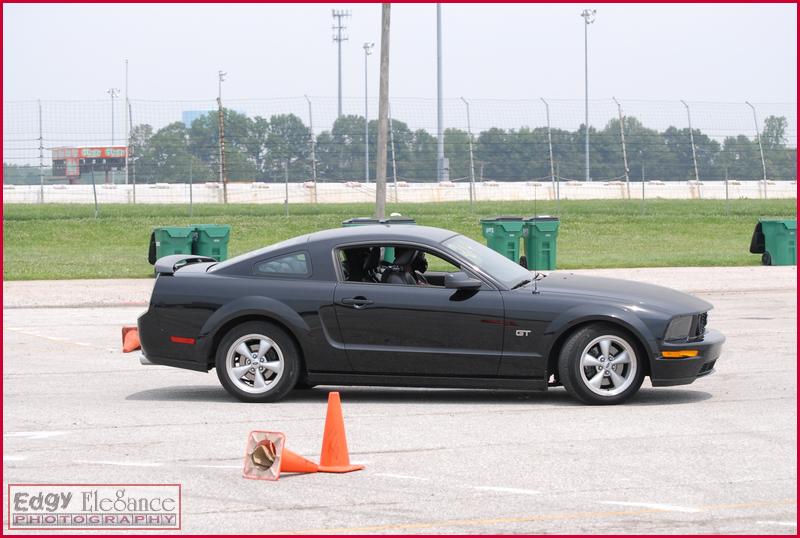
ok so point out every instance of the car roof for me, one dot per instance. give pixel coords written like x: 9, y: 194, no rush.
x: 382, y: 232
x: 370, y: 232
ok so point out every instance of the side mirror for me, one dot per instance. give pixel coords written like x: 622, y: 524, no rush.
x: 460, y: 281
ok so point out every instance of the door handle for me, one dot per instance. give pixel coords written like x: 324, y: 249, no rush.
x: 356, y: 302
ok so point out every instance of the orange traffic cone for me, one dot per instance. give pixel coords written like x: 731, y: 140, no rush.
x: 295, y: 463
x: 130, y: 339
x: 266, y: 457
x: 335, y: 458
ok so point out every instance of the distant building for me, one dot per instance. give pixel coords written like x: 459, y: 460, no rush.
x: 188, y: 116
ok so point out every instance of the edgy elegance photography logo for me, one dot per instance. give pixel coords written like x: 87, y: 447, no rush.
x: 94, y: 506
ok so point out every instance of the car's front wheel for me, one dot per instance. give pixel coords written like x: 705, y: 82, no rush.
x: 598, y: 364
x: 257, y: 362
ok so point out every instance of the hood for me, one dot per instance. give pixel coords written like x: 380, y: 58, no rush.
x: 625, y: 292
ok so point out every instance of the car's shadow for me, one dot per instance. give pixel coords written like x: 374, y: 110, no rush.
x: 553, y: 397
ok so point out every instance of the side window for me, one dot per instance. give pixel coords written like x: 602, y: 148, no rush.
x: 430, y: 269
x: 361, y: 263
x: 437, y: 264
x: 393, y: 264
x: 296, y: 264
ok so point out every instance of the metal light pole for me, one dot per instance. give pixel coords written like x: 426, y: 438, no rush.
x: 394, y: 161
x: 114, y: 93
x: 127, y: 125
x: 588, y: 18
x: 442, y: 172
x: 313, y: 145
x: 760, y: 147
x: 367, y: 51
x: 339, y: 36
x: 624, y: 149
x: 41, y: 157
x: 550, y: 149
x: 691, y: 139
x: 132, y: 162
x: 471, y: 158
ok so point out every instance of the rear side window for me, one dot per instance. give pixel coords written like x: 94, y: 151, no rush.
x: 296, y: 264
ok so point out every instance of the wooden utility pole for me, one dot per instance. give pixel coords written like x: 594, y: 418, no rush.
x: 383, y: 116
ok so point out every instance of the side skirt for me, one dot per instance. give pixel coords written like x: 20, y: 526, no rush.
x: 175, y: 363
x: 317, y: 378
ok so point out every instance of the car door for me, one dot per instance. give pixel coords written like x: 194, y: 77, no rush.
x: 420, y: 330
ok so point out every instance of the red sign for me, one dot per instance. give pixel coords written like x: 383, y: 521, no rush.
x: 92, y: 152
x: 103, y: 152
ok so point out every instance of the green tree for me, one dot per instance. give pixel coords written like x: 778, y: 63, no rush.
x: 781, y: 161
x: 164, y: 156
x: 340, y: 151
x: 288, y: 144
x: 204, y: 143
x: 24, y: 174
x: 774, y: 134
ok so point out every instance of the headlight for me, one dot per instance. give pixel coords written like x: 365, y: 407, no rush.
x: 679, y: 328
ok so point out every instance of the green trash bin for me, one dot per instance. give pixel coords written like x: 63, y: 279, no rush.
x: 776, y: 241
x: 540, y: 237
x: 212, y: 240
x: 502, y: 235
x: 170, y: 240
x: 388, y: 253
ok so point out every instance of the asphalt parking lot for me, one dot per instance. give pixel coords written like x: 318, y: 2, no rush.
x: 717, y: 456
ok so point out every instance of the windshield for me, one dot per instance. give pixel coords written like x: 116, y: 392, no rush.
x: 492, y: 263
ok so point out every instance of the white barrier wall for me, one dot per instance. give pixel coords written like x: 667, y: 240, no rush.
x: 328, y: 193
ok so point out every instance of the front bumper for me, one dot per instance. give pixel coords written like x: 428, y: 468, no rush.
x: 669, y: 372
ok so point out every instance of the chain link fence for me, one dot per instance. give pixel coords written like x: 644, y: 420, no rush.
x: 299, y: 150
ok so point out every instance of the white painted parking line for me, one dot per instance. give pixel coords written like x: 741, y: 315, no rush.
x: 119, y: 463
x: 402, y: 476
x: 216, y: 466
x: 59, y: 339
x: 778, y: 523
x: 657, y: 506
x: 517, y: 491
x: 13, y: 457
x: 35, y: 435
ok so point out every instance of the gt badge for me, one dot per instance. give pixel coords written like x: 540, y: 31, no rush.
x: 522, y: 332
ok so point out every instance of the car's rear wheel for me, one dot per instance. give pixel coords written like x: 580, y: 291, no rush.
x: 257, y: 362
x: 599, y: 364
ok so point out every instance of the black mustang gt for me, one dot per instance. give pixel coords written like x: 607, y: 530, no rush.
x: 417, y: 306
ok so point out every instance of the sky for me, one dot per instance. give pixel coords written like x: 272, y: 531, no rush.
x: 710, y: 53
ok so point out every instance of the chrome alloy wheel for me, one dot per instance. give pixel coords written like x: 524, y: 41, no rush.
x: 254, y: 363
x: 608, y: 365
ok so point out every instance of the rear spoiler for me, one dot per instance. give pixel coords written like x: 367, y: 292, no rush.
x: 169, y: 264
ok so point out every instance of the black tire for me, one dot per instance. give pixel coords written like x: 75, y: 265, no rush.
x: 575, y: 376
x: 766, y: 259
x: 283, y: 349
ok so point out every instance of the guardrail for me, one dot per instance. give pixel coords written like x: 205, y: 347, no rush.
x: 307, y: 193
